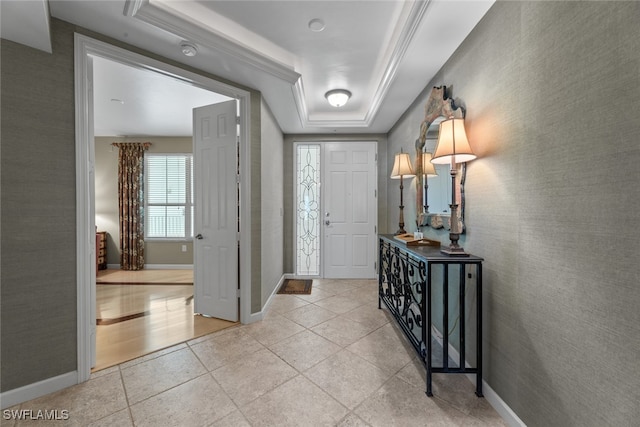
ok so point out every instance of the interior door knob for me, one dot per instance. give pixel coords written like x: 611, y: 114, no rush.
x: 327, y: 222
x: 199, y: 236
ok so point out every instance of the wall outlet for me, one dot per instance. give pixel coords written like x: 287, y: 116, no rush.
x: 184, y: 248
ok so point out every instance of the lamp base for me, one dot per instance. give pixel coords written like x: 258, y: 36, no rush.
x: 401, y: 231
x: 453, y: 251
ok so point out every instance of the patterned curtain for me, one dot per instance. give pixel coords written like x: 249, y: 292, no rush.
x: 131, y: 204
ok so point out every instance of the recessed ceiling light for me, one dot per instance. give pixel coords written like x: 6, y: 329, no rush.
x: 316, y: 25
x: 338, y: 97
x: 188, y: 49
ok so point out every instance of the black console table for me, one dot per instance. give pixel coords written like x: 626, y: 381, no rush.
x: 405, y: 284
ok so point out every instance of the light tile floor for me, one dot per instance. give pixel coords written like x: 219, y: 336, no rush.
x: 331, y: 358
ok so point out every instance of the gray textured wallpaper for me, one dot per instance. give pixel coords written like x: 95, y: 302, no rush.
x: 552, y: 91
x: 38, y: 267
x: 272, y: 220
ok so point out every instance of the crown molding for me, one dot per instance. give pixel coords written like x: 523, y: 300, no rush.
x: 301, y: 107
x: 151, y: 14
x: 409, y: 29
x: 147, y: 12
x: 411, y: 24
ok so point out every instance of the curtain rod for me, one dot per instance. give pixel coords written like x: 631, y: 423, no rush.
x: 146, y: 144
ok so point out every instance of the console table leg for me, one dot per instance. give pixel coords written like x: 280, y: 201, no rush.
x: 479, y: 332
x: 427, y: 332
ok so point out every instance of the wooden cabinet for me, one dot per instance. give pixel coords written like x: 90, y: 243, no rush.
x: 101, y: 250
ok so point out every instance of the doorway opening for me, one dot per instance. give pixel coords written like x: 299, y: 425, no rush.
x: 141, y: 311
x: 86, y: 49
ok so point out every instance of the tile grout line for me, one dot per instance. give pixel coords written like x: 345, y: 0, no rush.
x: 210, y: 373
x: 126, y: 396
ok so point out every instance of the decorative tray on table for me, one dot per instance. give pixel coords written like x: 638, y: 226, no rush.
x: 411, y: 240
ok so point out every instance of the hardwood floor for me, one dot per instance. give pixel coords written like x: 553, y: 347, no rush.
x: 145, y: 276
x: 151, y: 311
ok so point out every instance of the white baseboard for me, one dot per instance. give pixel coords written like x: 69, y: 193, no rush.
x: 490, y: 395
x: 265, y: 307
x: 168, y: 266
x: 255, y: 317
x: 157, y: 266
x: 39, y: 389
x: 501, y: 407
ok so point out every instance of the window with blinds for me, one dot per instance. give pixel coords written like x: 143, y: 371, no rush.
x: 168, y: 190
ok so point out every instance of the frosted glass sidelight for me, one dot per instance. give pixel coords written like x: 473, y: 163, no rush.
x: 308, y: 210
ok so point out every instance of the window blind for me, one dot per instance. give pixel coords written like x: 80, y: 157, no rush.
x: 168, y: 195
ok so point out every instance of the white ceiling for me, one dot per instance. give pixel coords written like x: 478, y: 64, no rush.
x: 384, y: 51
x: 136, y: 102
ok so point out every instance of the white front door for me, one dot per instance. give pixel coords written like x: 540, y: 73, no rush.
x: 215, y: 245
x: 349, y: 209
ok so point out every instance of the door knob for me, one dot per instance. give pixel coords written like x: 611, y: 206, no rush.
x: 327, y: 222
x: 199, y: 236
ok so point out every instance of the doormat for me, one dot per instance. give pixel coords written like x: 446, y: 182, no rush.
x: 296, y: 286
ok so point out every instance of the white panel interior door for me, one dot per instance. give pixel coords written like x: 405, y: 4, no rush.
x: 350, y: 209
x: 215, y: 245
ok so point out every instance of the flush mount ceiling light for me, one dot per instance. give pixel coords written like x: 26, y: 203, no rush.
x: 316, y: 25
x: 338, y: 97
x: 188, y: 49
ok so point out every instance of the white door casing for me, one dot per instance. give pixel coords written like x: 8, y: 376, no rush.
x: 92, y: 209
x: 349, y: 209
x: 216, y: 211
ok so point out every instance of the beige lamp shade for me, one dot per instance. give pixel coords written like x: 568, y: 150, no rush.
x: 452, y: 143
x: 402, y: 166
x: 427, y: 167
